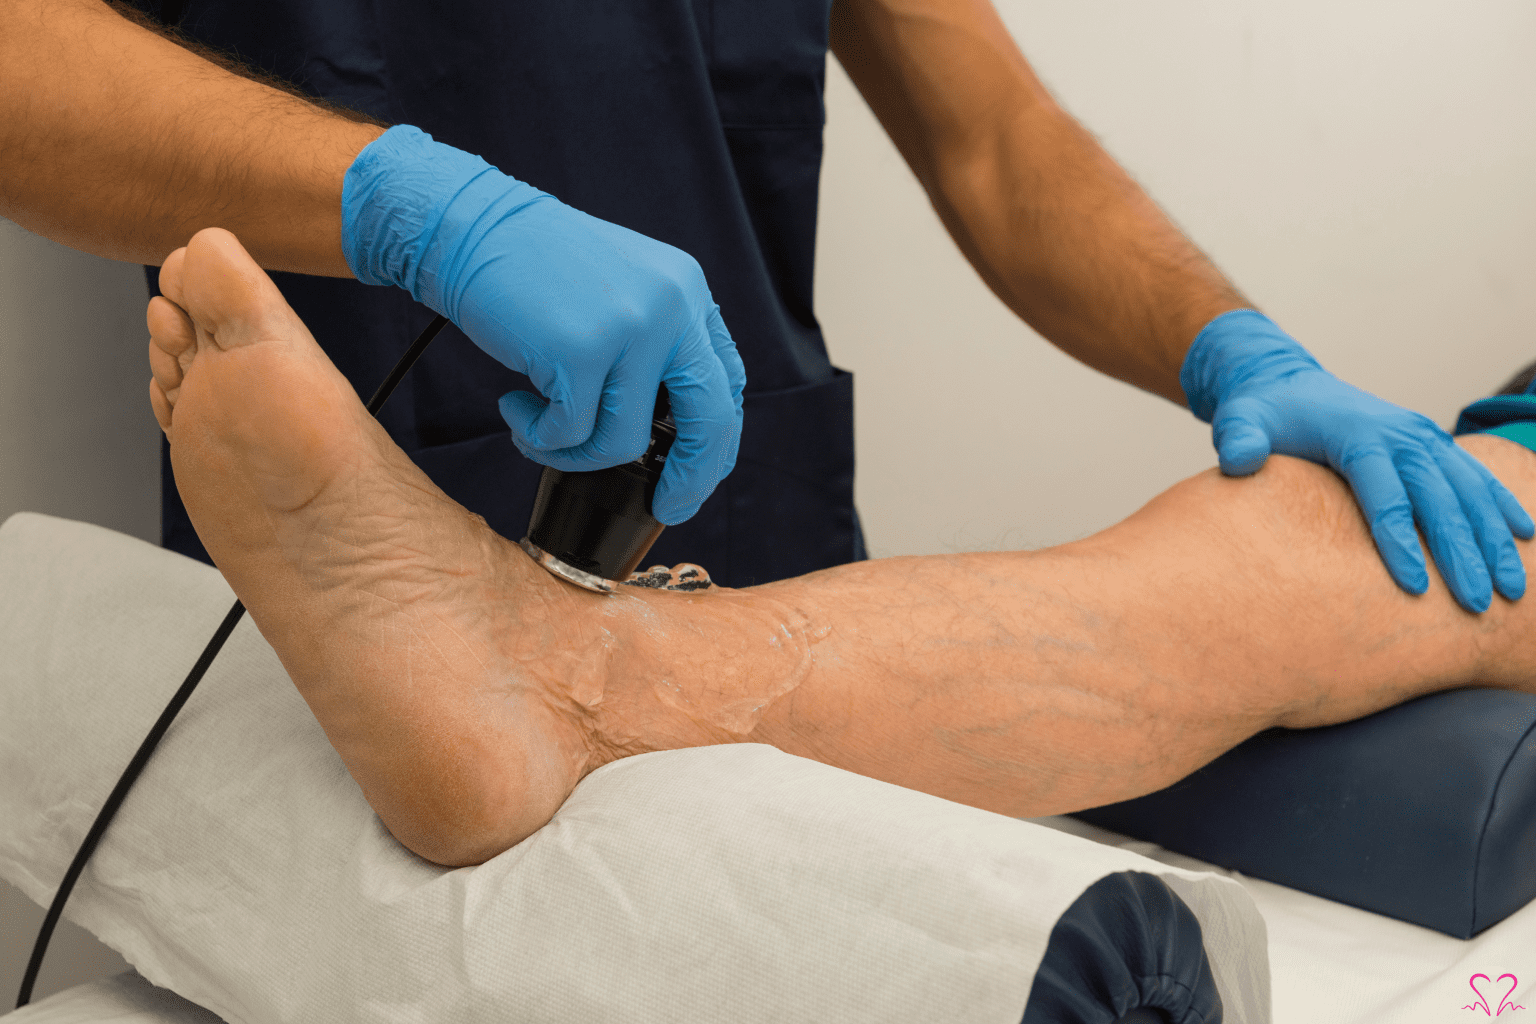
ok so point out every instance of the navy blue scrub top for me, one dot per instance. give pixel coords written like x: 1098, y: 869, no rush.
x: 696, y: 122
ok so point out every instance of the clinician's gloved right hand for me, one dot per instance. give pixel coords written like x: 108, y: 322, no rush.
x: 596, y: 315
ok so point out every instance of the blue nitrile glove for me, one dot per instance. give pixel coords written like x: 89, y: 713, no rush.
x: 595, y: 314
x: 1263, y: 392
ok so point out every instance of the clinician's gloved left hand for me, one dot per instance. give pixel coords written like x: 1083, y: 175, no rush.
x: 1262, y: 392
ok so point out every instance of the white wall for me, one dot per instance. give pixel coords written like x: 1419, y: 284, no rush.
x: 1362, y: 169
x: 77, y: 437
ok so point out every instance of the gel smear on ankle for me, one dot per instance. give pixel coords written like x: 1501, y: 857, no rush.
x: 745, y: 651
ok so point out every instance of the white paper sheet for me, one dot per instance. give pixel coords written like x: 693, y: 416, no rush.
x: 246, y: 872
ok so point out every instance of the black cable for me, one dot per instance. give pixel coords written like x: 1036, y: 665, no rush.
x: 398, y: 373
x: 140, y: 759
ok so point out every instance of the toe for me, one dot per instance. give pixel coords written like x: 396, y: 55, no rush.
x: 165, y: 371
x: 172, y: 343
x: 161, y: 405
x: 170, y: 276
x: 230, y: 297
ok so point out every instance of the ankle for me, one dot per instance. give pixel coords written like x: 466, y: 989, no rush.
x: 695, y: 669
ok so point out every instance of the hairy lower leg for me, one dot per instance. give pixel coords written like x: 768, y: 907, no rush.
x: 1041, y: 682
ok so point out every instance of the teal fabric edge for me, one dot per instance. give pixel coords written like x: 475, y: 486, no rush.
x: 1483, y: 416
x: 1520, y: 432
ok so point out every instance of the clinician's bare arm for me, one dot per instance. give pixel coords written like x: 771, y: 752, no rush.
x: 116, y: 141
x: 1053, y: 225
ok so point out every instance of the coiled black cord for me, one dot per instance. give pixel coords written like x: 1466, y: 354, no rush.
x: 140, y: 759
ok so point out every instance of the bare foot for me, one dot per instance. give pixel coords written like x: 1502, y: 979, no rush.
x: 466, y: 690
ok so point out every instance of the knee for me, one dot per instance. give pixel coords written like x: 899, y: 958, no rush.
x: 1289, y: 501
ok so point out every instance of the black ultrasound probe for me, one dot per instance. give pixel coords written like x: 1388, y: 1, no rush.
x: 590, y: 529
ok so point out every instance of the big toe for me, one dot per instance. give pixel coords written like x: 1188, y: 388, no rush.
x: 228, y: 296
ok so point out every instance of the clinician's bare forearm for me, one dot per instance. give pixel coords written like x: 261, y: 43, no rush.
x: 118, y: 142
x: 1053, y: 225
x: 1035, y: 683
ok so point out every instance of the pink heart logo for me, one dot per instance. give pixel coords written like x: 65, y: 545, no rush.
x: 1483, y: 1001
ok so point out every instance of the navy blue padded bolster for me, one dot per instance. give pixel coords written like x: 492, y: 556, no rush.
x: 1425, y: 812
x: 1127, y: 949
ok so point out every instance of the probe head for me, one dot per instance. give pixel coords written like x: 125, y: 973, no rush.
x: 593, y: 528
x: 569, y: 573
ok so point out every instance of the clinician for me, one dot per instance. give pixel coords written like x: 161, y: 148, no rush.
x: 637, y: 137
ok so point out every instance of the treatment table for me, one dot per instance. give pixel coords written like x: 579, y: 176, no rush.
x: 248, y: 881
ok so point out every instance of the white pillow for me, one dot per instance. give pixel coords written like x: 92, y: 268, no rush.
x: 124, y: 999
x: 733, y: 883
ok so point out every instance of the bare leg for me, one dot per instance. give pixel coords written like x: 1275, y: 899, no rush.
x: 467, y: 691
x: 1043, y: 682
